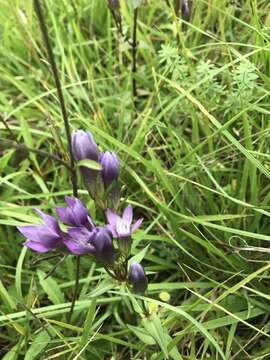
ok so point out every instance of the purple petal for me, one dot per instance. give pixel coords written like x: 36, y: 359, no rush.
x: 136, y: 224
x: 36, y: 246
x: 50, y: 221
x: 112, y: 217
x: 82, y: 235
x: 64, y: 215
x: 123, y: 228
x: 128, y: 214
x: 70, y: 201
x: 29, y: 232
x: 78, y: 248
x: 41, y: 234
x: 84, y: 146
x: 112, y: 230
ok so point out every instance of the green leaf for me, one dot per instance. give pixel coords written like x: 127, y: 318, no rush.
x: 90, y: 164
x: 37, y: 346
x: 154, y: 328
x: 142, y: 335
x: 87, y: 326
x: 51, y: 288
x: 138, y: 257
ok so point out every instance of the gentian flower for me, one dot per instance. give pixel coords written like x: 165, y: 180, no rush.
x: 44, y: 237
x: 84, y: 147
x: 104, y: 250
x: 110, y: 167
x: 184, y: 8
x: 97, y: 242
x: 75, y: 214
x: 137, y: 278
x: 80, y: 240
x: 122, y: 226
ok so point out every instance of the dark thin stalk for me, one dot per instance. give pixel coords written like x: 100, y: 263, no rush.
x: 118, y: 24
x: 54, y: 268
x: 16, y: 145
x: 12, y: 135
x: 49, y: 257
x: 134, y: 55
x: 74, y: 297
x: 44, y: 31
x: 146, y: 312
x: 110, y: 273
x: 44, y: 327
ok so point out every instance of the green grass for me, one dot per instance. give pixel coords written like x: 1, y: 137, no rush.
x: 194, y: 163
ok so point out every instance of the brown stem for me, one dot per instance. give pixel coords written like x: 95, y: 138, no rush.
x: 46, y: 38
x: 134, y: 55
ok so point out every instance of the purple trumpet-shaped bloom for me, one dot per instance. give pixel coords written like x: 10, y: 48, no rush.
x: 122, y: 226
x: 75, y: 214
x: 84, y: 146
x: 80, y: 240
x: 97, y: 242
x: 44, y: 237
x: 137, y: 278
x: 184, y: 8
x: 104, y: 249
x: 110, y: 167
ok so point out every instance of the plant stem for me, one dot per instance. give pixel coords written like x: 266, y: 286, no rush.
x: 134, y: 55
x: 74, y: 297
x: 12, y: 135
x: 44, y: 31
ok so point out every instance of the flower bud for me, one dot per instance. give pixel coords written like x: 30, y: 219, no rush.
x: 110, y: 167
x: 104, y: 249
x: 184, y: 6
x: 84, y: 146
x: 137, y: 278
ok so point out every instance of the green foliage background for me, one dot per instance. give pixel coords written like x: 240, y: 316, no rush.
x: 195, y: 164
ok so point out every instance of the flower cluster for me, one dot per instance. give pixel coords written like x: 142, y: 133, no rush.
x: 108, y: 244
x: 101, y: 185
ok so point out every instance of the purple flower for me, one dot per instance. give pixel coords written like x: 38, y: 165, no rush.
x: 104, y: 250
x: 137, y: 278
x: 44, y: 237
x: 110, y: 167
x: 75, y: 214
x: 84, y: 146
x: 80, y: 241
x: 184, y: 8
x: 97, y: 242
x: 122, y: 226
